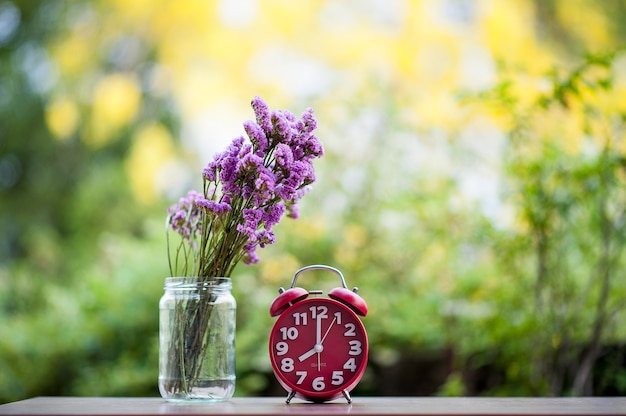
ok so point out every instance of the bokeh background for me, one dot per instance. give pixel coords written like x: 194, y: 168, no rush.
x: 473, y: 185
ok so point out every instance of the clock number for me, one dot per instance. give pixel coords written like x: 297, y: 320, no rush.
x: 286, y: 365
x: 302, y: 375
x: 350, y: 365
x: 319, y: 312
x: 338, y: 317
x: 289, y: 333
x: 349, y: 330
x: 282, y: 348
x: 337, y: 378
x: 318, y: 384
x: 355, y: 347
x: 300, y: 318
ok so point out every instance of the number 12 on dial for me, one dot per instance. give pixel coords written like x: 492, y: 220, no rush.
x: 318, y: 349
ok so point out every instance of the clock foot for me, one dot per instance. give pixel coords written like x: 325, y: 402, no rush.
x: 347, y: 396
x: 291, y: 396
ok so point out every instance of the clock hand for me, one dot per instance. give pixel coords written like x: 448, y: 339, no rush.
x: 307, y: 354
x: 318, y: 361
x: 318, y: 331
x: 318, y: 340
x: 317, y: 348
x: 328, y: 330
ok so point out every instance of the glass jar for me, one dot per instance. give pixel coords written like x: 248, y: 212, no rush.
x: 197, y: 339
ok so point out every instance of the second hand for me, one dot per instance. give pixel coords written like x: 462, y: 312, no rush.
x: 328, y: 330
x: 322, y: 341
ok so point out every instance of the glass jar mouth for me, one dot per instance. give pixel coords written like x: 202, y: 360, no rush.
x: 197, y: 283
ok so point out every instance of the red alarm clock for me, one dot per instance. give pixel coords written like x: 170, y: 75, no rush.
x: 318, y: 346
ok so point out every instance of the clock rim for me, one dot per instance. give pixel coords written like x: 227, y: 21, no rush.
x: 328, y: 394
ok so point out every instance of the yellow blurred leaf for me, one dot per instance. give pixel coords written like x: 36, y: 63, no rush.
x: 62, y: 118
x: 116, y: 100
x: 152, y: 148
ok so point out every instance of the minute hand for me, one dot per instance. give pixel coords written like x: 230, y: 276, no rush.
x: 318, y: 331
x: 317, y: 348
x: 318, y: 343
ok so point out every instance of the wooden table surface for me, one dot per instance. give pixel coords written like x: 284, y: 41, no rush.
x: 360, y: 406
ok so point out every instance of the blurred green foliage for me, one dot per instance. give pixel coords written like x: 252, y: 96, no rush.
x: 518, y: 295
x: 77, y: 252
x: 566, y: 176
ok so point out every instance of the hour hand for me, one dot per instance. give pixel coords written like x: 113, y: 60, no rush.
x: 317, y: 348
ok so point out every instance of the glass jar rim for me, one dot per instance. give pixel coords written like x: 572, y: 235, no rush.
x: 195, y: 283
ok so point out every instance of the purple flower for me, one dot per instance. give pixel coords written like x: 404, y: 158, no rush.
x: 257, y: 136
x: 282, y: 126
x: 300, y: 173
x: 272, y: 214
x: 226, y: 166
x: 260, y: 239
x: 250, y: 256
x: 262, y: 113
x: 252, y: 218
x: 283, y: 155
x: 265, y: 237
x: 247, y: 189
x: 213, y: 206
x: 313, y: 147
x: 249, y: 162
x: 308, y: 175
x: 264, y: 186
x: 285, y: 192
x: 184, y: 216
x: 298, y: 152
x: 301, y: 192
x: 210, y: 171
x: 310, y: 123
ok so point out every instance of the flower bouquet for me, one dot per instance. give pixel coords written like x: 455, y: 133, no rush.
x: 246, y: 191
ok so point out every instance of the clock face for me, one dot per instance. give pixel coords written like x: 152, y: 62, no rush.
x: 318, y: 348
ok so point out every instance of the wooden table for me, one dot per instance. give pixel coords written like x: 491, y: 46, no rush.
x: 360, y: 406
